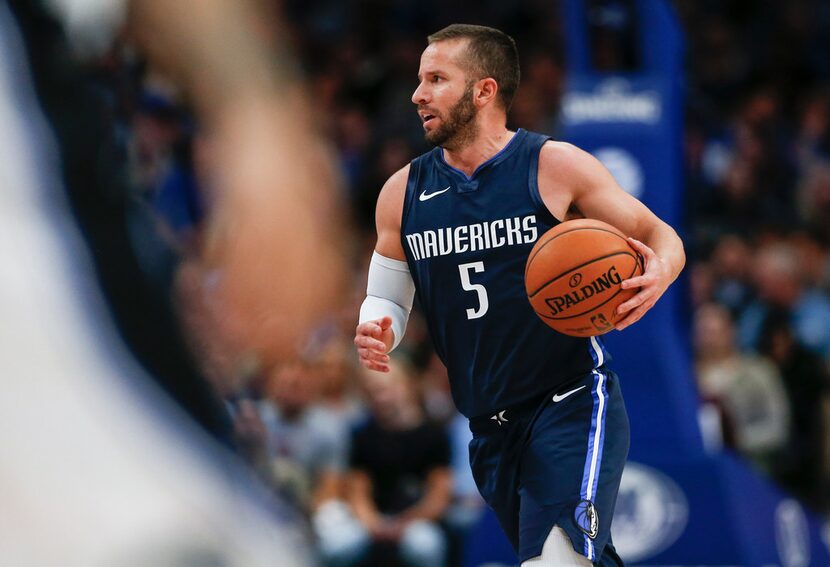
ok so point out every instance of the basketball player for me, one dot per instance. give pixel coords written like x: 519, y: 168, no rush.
x: 456, y: 225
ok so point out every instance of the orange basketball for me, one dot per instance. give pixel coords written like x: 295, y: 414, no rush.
x: 573, y: 276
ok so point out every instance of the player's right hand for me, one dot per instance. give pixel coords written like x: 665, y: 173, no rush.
x: 373, y: 339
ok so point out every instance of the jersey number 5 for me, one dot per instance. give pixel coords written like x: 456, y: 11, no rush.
x: 466, y: 285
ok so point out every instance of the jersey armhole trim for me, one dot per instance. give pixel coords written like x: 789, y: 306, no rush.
x: 409, y: 192
x: 533, y: 182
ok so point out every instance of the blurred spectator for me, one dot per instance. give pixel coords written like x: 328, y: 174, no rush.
x: 399, y: 482
x: 156, y: 128
x: 466, y: 504
x: 383, y: 160
x: 739, y: 203
x: 813, y: 137
x: 702, y: 283
x: 250, y: 434
x: 157, y: 133
x: 437, y: 395
x: 813, y: 261
x: 182, y: 198
x: 746, y: 389
x: 800, y: 467
x: 814, y: 197
x: 731, y: 263
x: 305, y: 452
x: 545, y: 72
x: 528, y: 109
x: 339, y: 399
x: 352, y: 135
x: 779, y: 282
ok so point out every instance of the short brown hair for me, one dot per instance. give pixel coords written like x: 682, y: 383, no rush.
x: 490, y: 53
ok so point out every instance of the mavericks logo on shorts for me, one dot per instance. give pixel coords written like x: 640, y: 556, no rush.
x: 586, y: 518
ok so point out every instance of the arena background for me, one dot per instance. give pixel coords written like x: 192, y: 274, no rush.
x: 715, y: 113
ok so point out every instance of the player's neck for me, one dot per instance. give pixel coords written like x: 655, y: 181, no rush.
x: 484, y: 146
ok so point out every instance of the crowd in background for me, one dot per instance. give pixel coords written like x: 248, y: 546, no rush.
x: 757, y: 232
x: 757, y: 153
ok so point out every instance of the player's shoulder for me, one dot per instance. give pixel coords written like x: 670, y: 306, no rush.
x: 393, y: 191
x: 397, y: 181
x: 391, y: 199
x: 563, y: 157
x: 556, y: 151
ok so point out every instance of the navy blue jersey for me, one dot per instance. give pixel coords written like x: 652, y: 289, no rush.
x: 467, y: 240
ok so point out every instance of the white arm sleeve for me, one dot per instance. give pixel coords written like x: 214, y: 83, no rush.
x: 390, y: 292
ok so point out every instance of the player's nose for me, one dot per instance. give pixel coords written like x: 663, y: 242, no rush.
x: 420, y: 95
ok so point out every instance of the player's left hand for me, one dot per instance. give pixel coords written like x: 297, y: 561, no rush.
x: 653, y: 283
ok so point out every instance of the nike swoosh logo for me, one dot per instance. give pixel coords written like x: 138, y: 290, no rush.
x: 426, y: 197
x: 560, y: 397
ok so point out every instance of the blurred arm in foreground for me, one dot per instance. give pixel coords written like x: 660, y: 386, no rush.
x: 105, y: 469
x: 277, y: 230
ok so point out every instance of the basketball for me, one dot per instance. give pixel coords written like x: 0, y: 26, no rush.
x: 573, y: 276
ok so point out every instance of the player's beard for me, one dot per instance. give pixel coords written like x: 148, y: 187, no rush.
x: 460, y: 127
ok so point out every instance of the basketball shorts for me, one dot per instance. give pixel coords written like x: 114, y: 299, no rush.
x: 556, y: 461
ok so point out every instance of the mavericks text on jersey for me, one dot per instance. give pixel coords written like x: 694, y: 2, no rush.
x: 467, y: 239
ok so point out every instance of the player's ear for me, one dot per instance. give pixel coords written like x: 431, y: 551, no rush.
x: 486, y: 90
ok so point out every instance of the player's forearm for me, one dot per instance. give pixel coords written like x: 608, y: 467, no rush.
x: 667, y: 245
x: 390, y: 292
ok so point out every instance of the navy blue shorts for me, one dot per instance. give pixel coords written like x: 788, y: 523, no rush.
x: 556, y: 461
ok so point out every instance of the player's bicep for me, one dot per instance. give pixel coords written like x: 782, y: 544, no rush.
x: 585, y: 185
x: 603, y: 199
x: 388, y: 216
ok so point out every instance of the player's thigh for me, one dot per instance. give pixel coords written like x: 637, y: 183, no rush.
x: 576, y: 442
x: 572, y: 466
x: 495, y: 467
